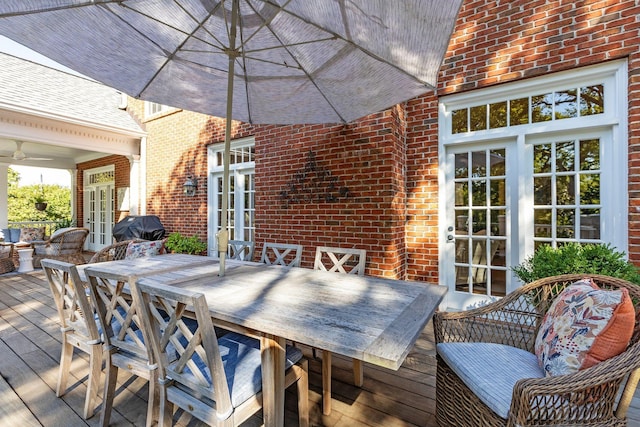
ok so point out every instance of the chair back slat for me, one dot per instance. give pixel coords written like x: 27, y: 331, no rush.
x: 241, y: 250
x: 287, y: 255
x: 340, y: 260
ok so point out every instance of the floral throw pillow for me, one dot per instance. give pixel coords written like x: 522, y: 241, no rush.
x: 143, y: 249
x: 31, y: 234
x: 584, y: 326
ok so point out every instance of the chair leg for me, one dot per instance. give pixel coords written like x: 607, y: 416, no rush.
x: 358, y: 372
x: 153, y: 409
x: 66, y: 354
x: 166, y: 407
x: 111, y: 376
x: 95, y: 371
x: 326, y: 382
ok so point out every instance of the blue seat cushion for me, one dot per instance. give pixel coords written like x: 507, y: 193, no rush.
x: 490, y: 370
x: 243, y: 365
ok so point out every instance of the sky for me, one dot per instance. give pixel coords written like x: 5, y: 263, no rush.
x: 31, y: 175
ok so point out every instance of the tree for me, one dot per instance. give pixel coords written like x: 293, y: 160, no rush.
x: 21, y: 201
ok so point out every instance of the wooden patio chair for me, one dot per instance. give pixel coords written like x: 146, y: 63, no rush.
x: 64, y: 245
x: 281, y: 254
x: 78, y: 326
x: 217, y: 380
x: 125, y: 346
x: 345, y: 261
x: 241, y: 250
x: 597, y: 395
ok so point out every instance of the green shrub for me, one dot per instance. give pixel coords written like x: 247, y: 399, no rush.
x: 178, y: 243
x: 575, y: 258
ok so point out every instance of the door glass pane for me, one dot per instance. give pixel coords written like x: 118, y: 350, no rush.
x: 565, y: 156
x: 589, y: 154
x: 565, y: 190
x: 542, y: 158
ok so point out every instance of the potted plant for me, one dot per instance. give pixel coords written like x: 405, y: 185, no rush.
x: 177, y: 243
x: 40, y: 202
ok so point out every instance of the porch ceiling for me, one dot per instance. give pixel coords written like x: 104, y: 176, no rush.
x: 61, y: 157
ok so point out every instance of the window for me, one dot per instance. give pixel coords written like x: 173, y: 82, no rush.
x: 152, y: 108
x: 556, y: 105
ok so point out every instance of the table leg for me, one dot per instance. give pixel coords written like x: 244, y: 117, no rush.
x: 326, y: 382
x: 273, y: 362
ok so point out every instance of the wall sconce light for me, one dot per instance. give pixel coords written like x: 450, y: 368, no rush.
x: 190, y: 186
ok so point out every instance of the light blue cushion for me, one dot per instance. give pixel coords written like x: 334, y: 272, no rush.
x: 242, y: 364
x: 490, y: 370
x: 15, y: 235
x: 5, y: 234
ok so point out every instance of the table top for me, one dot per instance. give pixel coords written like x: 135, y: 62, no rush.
x: 368, y: 318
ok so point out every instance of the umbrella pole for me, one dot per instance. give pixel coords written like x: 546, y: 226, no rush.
x: 223, y: 234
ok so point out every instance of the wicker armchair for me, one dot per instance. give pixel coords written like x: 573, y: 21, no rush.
x: 588, y: 397
x: 113, y: 252
x: 117, y: 251
x: 63, y: 245
x: 6, y: 258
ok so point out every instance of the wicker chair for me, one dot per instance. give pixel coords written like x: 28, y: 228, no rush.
x: 113, y: 252
x: 6, y: 258
x: 63, y: 245
x: 588, y: 397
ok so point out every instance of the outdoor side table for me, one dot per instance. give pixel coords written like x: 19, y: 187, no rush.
x: 25, y: 258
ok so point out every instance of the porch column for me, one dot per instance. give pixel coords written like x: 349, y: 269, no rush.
x: 4, y: 196
x: 135, y: 186
x: 73, y: 173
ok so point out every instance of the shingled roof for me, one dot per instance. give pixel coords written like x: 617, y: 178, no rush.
x: 39, y: 89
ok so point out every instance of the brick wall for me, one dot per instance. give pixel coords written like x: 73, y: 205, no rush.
x: 365, y: 158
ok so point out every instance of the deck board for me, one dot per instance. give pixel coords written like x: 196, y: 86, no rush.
x: 30, y: 350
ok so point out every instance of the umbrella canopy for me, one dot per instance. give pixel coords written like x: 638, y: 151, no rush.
x: 258, y: 61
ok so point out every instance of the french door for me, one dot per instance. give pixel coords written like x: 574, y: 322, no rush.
x: 99, y: 207
x: 240, y: 209
x: 477, y: 249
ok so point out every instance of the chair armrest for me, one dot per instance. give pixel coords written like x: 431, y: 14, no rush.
x: 589, y: 395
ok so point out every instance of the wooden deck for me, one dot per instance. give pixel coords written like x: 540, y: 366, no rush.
x: 30, y: 350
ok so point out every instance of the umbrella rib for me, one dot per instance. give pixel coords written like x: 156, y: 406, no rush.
x: 356, y: 46
x: 170, y: 55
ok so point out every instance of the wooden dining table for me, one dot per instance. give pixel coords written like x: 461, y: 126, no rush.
x: 371, y: 319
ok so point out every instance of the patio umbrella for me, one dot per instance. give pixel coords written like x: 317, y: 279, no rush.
x: 257, y: 61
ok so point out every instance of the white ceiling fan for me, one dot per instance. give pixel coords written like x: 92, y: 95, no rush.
x: 19, y: 155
